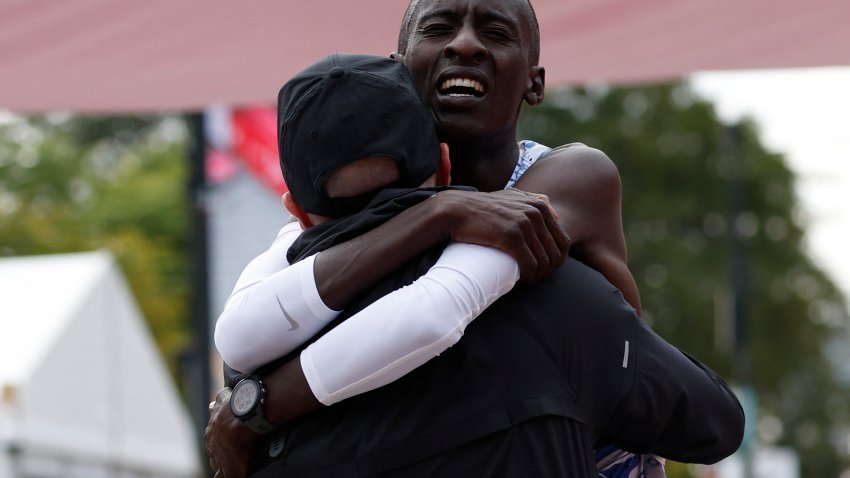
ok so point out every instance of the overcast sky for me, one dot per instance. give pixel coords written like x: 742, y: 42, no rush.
x: 804, y: 114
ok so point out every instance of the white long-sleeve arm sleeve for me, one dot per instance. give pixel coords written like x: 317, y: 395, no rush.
x: 276, y: 307
x: 410, y: 326
x: 273, y: 309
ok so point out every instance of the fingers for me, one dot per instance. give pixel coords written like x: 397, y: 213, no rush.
x: 556, y: 242
x: 519, y: 248
x: 211, y: 452
x: 230, y: 446
x: 524, y: 237
x: 552, y: 209
x: 546, y: 240
x: 523, y: 224
x: 538, y: 244
x: 209, y: 442
x: 222, y: 395
x: 552, y: 223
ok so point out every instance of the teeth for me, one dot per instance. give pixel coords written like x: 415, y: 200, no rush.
x: 464, y: 82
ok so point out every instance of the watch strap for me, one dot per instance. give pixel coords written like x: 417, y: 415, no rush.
x: 259, y: 424
x: 255, y: 418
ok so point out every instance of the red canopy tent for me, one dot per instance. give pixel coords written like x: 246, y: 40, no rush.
x: 163, y: 55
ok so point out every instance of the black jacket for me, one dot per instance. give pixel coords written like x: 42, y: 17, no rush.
x: 565, y: 363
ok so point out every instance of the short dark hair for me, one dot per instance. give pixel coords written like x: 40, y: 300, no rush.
x: 525, y: 5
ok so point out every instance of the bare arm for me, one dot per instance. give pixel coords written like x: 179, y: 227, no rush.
x: 519, y: 224
x: 583, y: 185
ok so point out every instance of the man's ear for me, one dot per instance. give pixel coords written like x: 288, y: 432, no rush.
x: 444, y: 170
x: 397, y: 57
x: 295, y: 209
x: 536, y: 85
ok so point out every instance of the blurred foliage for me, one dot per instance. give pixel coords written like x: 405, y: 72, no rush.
x: 70, y: 184
x: 680, y: 166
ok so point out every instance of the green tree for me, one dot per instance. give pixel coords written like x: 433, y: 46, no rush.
x: 72, y: 184
x: 679, y: 170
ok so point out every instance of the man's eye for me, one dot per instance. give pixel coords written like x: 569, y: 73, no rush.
x: 435, y: 29
x: 499, y: 34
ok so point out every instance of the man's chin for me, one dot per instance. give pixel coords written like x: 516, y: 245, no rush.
x: 459, y: 128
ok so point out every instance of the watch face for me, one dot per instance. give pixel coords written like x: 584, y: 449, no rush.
x: 244, y: 396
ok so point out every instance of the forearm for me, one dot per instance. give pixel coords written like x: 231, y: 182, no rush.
x: 584, y: 186
x: 288, y: 395
x: 613, y: 266
x: 518, y: 223
x: 276, y: 307
x: 345, y: 271
x: 271, y: 318
x: 511, y: 221
x: 396, y: 334
x: 405, y: 329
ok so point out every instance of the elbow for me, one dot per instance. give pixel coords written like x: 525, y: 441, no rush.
x: 725, y: 432
x: 728, y: 423
x: 722, y: 417
x: 729, y: 430
x: 227, y: 341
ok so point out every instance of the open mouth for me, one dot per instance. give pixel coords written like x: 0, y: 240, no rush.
x: 461, y: 88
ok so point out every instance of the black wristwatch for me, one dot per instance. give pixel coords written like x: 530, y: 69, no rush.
x: 247, y: 402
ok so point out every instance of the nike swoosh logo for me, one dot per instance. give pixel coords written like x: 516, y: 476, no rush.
x: 292, y: 323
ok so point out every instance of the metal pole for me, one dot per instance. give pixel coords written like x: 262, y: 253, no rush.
x: 197, y: 374
x: 740, y: 279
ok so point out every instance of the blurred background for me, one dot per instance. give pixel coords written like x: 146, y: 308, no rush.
x: 139, y: 175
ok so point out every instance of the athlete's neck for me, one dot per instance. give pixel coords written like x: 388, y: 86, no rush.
x: 486, y: 164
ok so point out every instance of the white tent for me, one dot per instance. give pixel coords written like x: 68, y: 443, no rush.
x: 84, y: 390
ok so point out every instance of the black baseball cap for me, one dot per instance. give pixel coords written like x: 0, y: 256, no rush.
x: 348, y: 107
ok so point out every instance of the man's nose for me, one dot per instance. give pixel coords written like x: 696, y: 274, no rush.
x: 466, y: 45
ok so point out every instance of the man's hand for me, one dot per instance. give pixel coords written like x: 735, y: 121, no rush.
x: 230, y: 444
x: 522, y: 224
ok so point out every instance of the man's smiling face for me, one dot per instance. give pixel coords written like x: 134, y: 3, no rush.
x: 471, y: 63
